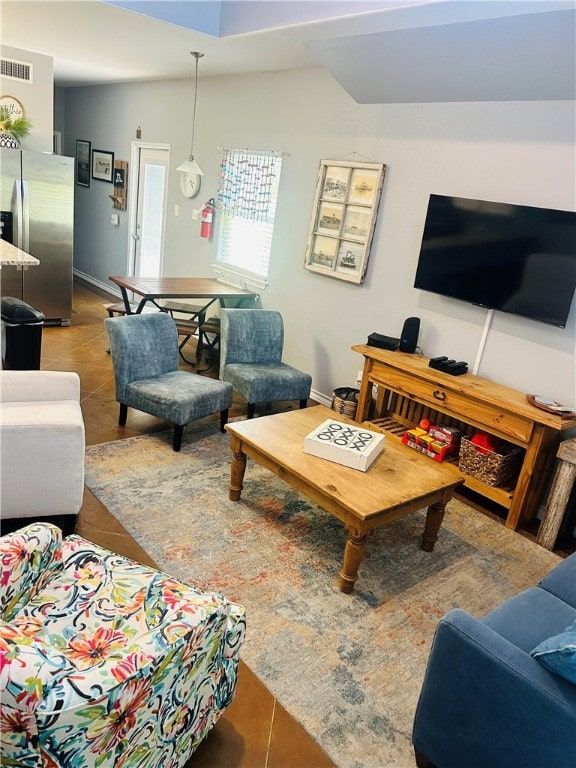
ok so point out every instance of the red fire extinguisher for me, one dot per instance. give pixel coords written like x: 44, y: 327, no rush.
x: 207, y: 219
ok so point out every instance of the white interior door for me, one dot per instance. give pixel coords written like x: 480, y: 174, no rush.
x: 150, y: 211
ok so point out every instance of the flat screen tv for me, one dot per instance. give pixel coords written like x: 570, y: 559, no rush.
x: 514, y: 258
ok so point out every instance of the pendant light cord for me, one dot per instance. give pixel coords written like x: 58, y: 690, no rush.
x: 197, y: 56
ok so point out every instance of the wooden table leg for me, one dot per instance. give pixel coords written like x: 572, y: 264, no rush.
x: 434, y: 517
x: 353, y: 556
x: 238, y: 468
x: 559, y: 496
x: 126, y: 300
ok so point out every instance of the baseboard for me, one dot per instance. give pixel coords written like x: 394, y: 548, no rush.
x: 106, y: 288
x: 320, y: 398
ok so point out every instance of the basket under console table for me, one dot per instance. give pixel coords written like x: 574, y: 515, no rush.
x: 398, y: 390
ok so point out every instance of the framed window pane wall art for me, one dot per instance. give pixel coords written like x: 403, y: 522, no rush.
x: 343, y: 219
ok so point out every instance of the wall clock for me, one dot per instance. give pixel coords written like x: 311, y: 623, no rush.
x: 190, y: 183
x: 14, y: 107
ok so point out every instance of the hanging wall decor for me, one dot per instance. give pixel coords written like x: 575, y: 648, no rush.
x: 102, y: 165
x: 120, y: 181
x: 343, y: 219
x: 83, y: 162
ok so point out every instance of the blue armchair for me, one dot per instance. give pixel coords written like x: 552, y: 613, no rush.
x: 500, y: 692
x: 144, y: 352
x: 251, y: 346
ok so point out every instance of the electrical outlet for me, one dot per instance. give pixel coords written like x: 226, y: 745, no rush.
x: 195, y: 214
x: 176, y: 210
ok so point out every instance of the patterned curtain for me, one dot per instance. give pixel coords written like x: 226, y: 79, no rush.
x: 248, y: 185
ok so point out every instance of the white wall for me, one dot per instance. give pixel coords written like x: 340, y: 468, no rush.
x: 519, y: 152
x: 36, y: 97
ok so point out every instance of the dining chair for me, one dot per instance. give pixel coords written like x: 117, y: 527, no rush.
x: 144, y: 352
x: 208, y: 339
x: 188, y: 319
x: 251, y: 347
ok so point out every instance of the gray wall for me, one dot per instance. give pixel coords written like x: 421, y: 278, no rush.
x: 519, y: 152
x: 36, y: 97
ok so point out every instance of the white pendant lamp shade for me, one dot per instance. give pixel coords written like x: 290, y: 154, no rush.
x: 190, y: 165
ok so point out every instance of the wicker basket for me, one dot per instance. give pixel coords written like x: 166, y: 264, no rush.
x: 490, y: 467
x: 345, y: 401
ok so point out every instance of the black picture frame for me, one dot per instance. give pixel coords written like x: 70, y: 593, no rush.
x: 103, y: 165
x: 83, y: 156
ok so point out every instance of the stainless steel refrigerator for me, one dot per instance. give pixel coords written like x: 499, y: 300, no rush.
x: 37, y: 215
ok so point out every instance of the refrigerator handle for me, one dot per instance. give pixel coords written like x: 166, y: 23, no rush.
x: 25, y: 217
x: 17, y: 213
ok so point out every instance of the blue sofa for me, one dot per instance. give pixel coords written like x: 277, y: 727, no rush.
x: 500, y: 692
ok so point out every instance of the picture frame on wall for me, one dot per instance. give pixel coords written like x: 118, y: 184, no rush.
x: 103, y: 165
x: 343, y: 219
x: 83, y: 162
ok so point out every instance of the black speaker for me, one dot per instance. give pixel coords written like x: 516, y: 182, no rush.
x: 409, y: 335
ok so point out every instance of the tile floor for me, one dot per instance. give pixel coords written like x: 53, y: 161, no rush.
x: 256, y: 731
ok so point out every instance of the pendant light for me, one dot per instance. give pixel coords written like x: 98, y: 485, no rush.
x: 190, y: 165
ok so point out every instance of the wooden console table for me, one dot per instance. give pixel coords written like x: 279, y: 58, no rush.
x: 408, y: 390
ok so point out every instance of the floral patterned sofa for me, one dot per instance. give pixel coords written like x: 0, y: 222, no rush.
x: 104, y: 662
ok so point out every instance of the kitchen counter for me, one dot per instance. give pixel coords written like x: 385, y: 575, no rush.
x: 12, y: 256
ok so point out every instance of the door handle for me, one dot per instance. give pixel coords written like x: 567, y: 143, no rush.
x: 439, y: 395
x: 135, y: 237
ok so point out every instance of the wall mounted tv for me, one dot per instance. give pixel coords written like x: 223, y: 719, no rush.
x: 514, y: 258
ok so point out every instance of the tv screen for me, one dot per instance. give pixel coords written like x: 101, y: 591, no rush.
x: 514, y: 258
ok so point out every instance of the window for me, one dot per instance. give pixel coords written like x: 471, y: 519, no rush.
x: 247, y: 197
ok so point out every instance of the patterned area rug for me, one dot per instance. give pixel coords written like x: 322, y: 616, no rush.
x: 347, y: 667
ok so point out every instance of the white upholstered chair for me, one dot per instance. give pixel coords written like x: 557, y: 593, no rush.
x: 41, y: 448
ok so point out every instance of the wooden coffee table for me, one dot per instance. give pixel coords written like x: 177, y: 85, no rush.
x: 399, y: 482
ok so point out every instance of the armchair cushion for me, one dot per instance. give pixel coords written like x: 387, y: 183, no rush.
x: 558, y: 653
x: 509, y: 619
x: 178, y: 396
x: 561, y: 581
x: 111, y: 663
x: 268, y: 383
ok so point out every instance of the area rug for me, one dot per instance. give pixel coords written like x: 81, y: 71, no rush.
x: 348, y: 667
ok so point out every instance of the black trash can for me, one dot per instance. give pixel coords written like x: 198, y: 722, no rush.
x: 21, y: 335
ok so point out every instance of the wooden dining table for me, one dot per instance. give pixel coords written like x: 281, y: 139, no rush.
x: 154, y: 289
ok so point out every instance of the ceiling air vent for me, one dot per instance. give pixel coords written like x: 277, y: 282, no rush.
x: 16, y: 70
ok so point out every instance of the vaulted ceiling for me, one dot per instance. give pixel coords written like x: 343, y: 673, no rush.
x: 379, y: 50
